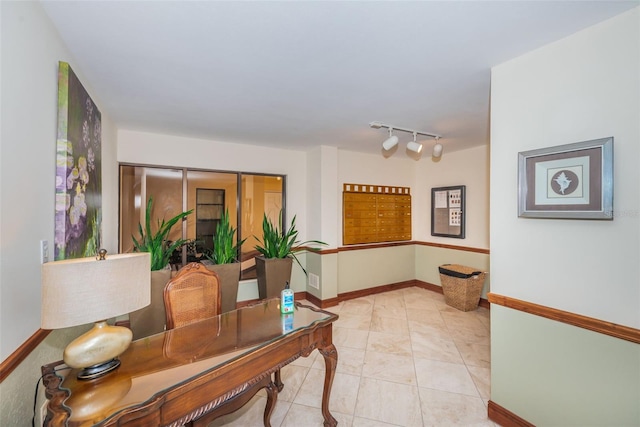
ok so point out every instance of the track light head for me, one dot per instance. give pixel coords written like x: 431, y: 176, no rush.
x: 414, y: 146
x: 437, y: 149
x: 391, y: 142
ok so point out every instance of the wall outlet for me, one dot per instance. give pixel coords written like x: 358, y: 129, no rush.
x: 44, y: 251
x: 314, y: 281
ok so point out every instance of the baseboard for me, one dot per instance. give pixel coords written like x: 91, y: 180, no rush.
x: 504, y: 417
x: 331, y: 302
x: 326, y: 303
x: 429, y: 286
x: 485, y: 304
x: 375, y: 290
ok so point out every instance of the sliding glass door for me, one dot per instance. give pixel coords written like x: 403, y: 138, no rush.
x: 247, y: 197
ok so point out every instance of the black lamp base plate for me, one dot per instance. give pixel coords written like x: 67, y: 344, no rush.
x: 98, y: 370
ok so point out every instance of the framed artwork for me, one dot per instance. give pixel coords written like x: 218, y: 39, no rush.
x: 448, y: 211
x: 567, y: 181
x: 78, y: 214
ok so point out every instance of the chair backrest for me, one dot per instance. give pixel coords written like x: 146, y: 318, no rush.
x: 192, y: 295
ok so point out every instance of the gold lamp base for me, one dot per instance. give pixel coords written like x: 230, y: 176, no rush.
x: 97, y: 351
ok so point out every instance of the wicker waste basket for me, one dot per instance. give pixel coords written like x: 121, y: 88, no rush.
x: 462, y: 286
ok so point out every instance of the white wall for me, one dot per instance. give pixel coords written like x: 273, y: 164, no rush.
x: 468, y: 167
x: 323, y: 199
x: 30, y: 50
x: 324, y: 207
x: 584, y: 87
x: 581, y: 88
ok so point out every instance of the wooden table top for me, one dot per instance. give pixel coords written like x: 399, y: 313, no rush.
x: 156, y: 364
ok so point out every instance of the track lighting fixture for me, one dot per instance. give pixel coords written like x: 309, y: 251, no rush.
x: 437, y: 149
x: 391, y: 142
x: 414, y: 145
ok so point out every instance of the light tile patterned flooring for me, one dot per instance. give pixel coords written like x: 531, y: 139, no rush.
x: 405, y: 358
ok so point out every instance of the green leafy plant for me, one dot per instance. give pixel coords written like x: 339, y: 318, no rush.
x: 278, y: 243
x: 156, y: 244
x: 224, y: 251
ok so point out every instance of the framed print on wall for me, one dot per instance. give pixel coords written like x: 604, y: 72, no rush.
x: 567, y: 181
x: 448, y: 211
x: 78, y: 216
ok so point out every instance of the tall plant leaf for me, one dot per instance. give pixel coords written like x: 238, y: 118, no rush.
x: 224, y: 251
x: 156, y: 243
x: 276, y: 243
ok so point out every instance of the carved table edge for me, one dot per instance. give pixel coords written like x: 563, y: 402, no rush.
x: 51, y: 381
x: 193, y: 415
x: 229, y: 395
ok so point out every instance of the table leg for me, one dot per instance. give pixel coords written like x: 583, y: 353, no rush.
x: 330, y: 355
x: 278, y: 381
x: 272, y: 397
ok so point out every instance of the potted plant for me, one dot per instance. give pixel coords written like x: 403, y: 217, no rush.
x: 278, y: 250
x: 151, y: 319
x: 224, y: 261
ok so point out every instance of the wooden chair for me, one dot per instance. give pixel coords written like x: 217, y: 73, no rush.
x: 193, y: 295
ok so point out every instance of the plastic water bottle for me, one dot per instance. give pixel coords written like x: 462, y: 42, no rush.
x: 286, y: 300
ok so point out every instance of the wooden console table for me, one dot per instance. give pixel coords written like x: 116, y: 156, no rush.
x: 180, y: 376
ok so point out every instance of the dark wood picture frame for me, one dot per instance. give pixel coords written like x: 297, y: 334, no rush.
x: 448, y: 211
x: 572, y: 181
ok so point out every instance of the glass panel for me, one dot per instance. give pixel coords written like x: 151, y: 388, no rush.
x: 208, y: 212
x: 261, y: 194
x: 209, y: 194
x: 210, y: 197
x: 137, y: 184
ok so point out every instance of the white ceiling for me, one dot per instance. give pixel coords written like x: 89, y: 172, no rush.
x: 301, y: 74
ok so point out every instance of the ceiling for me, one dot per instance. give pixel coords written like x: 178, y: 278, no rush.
x: 300, y: 74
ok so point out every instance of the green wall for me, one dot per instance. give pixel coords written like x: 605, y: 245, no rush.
x: 565, y: 376
x: 368, y: 268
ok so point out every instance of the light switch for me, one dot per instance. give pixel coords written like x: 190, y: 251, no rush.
x: 44, y: 251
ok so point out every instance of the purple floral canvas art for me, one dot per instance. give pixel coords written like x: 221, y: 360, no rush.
x: 78, y: 203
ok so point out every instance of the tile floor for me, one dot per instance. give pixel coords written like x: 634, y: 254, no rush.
x: 405, y: 358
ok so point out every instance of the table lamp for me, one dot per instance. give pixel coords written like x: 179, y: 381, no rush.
x: 85, y: 290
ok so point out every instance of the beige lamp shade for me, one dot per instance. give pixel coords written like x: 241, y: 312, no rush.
x: 85, y: 290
